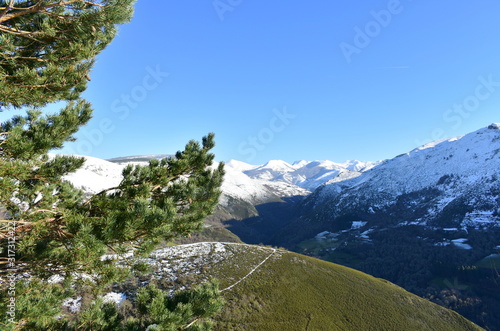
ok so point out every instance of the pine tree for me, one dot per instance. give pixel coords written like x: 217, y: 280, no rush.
x: 48, y: 46
x: 52, y: 232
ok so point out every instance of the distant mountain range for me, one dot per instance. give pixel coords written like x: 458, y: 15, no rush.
x: 428, y: 220
x: 451, y: 185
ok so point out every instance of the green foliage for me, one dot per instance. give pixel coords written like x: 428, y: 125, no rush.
x: 57, y: 228
x: 32, y: 135
x: 99, y: 316
x: 39, y: 305
x: 48, y: 46
x: 188, y: 308
x: 47, y: 50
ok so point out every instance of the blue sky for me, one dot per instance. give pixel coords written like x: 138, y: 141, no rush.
x: 313, y: 80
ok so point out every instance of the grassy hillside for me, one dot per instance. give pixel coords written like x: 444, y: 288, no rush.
x: 269, y: 289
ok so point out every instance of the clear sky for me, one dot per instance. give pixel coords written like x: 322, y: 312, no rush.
x: 314, y: 80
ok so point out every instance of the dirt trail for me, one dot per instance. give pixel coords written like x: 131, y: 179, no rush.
x: 251, y: 271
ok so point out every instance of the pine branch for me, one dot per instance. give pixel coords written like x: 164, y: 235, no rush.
x: 6, y: 9
x: 35, y: 85
x: 31, y: 58
x: 26, y: 34
x: 38, y: 8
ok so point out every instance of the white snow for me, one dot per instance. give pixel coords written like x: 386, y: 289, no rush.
x: 467, y: 165
x: 54, y: 279
x: 479, y: 219
x: 73, y: 304
x: 96, y: 175
x: 357, y: 225
x: 307, y: 174
x: 459, y: 156
x: 189, y: 250
x: 255, y: 184
x: 117, y: 256
x: 117, y: 298
x: 239, y: 186
x: 325, y: 235
x: 188, y: 259
x: 365, y: 234
x: 277, y: 178
x: 461, y: 243
x: 239, y: 165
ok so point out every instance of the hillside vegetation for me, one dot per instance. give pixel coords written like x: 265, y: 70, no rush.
x: 273, y: 289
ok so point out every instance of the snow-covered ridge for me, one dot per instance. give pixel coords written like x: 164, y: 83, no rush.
x: 255, y: 184
x: 461, y: 171
x: 308, y: 175
x: 470, y: 156
x: 96, y: 175
x: 171, y: 263
x: 277, y: 179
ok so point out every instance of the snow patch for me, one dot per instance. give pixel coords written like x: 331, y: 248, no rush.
x: 357, y: 224
x: 55, y: 279
x: 72, y: 304
x: 117, y: 298
x: 460, y: 243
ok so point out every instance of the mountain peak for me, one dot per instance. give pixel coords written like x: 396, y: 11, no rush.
x: 494, y: 126
x: 299, y: 164
x: 278, y: 165
x: 240, y: 165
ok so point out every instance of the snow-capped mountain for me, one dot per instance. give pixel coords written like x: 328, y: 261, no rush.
x: 457, y: 177
x: 252, y: 184
x: 96, y: 175
x: 445, y: 188
x: 252, y: 195
x: 237, y: 185
x: 462, y: 171
x: 306, y: 174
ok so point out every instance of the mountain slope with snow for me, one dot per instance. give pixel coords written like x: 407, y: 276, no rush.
x: 262, y: 196
x: 306, y: 174
x: 96, y: 175
x: 253, y: 184
x: 462, y: 169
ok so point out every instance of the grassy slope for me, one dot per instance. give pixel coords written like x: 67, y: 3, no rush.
x: 295, y: 292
